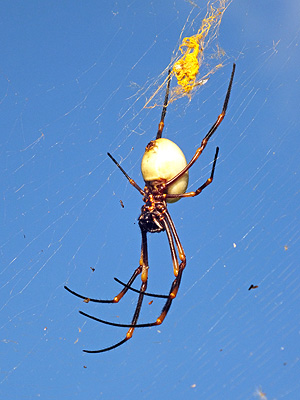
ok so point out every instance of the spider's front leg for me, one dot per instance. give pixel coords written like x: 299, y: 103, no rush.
x: 144, y: 277
x: 143, y: 269
x: 174, y: 243
x: 177, y: 267
x: 117, y: 298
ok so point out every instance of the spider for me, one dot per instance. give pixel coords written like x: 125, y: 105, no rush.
x: 165, y: 172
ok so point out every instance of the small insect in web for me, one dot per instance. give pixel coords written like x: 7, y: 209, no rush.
x: 165, y: 172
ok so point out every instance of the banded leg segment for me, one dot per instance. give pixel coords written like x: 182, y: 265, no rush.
x: 203, y: 186
x: 117, y: 298
x: 164, y: 110
x: 144, y: 275
x: 209, y: 133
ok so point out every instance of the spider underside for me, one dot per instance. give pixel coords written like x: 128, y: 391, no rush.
x: 155, y: 217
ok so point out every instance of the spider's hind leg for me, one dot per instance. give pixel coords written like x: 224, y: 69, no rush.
x: 164, y: 110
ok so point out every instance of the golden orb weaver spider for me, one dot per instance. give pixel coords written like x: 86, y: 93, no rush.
x: 165, y: 172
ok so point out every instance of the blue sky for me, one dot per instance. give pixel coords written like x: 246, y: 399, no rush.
x: 72, y: 87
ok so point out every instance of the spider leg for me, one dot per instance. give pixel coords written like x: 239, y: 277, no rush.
x: 158, y: 135
x: 133, y: 325
x: 172, y: 246
x: 178, y: 270
x: 209, y: 133
x: 173, y: 290
x: 203, y: 186
x: 164, y: 110
x: 171, y: 233
x: 117, y: 298
x: 177, y: 241
x: 161, y: 296
x: 131, y: 181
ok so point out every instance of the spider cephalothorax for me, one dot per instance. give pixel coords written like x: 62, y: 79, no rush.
x: 152, y: 211
x: 165, y: 172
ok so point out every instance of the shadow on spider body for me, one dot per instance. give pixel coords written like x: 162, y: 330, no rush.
x: 165, y: 171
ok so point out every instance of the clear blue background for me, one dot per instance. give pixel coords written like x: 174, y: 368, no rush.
x: 72, y: 80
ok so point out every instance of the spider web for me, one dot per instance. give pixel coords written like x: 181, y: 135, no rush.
x: 73, y: 84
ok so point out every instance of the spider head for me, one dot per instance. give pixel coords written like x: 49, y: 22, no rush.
x: 150, y: 222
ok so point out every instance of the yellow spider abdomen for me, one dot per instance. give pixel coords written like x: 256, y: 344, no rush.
x: 162, y: 160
